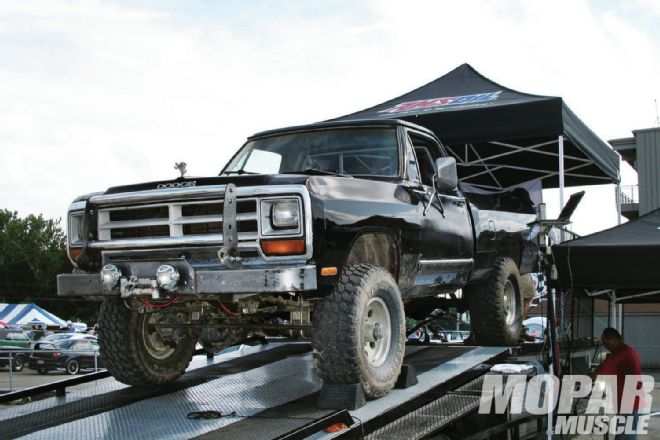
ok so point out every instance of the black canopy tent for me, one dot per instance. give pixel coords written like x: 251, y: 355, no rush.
x: 501, y: 137
x: 620, y: 264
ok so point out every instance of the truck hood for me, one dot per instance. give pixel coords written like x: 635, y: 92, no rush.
x: 238, y: 180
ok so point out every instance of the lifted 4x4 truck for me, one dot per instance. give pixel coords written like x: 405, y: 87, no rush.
x: 334, y: 231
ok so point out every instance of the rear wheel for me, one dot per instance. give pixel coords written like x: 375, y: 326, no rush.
x: 496, y: 305
x: 72, y: 367
x: 359, y: 331
x: 133, y: 350
x: 18, y: 363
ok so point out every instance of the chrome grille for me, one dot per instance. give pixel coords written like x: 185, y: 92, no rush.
x: 175, y: 220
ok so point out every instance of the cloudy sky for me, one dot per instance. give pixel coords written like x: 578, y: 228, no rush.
x: 94, y: 94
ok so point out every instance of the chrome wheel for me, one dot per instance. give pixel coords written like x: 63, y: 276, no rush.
x: 152, y: 341
x: 73, y: 367
x: 377, y: 332
x: 509, y: 299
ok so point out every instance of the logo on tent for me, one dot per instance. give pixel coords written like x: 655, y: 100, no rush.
x: 429, y: 104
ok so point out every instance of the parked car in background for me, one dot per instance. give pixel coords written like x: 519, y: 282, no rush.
x: 62, y: 336
x: 18, y: 357
x: 535, y: 327
x: 14, y: 338
x: 73, y: 355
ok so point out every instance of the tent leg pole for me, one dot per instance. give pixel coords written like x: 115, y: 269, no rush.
x: 613, y: 321
x: 618, y: 203
x: 560, y: 142
x: 619, y: 324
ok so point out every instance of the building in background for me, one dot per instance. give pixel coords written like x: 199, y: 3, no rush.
x: 640, y: 322
x: 642, y: 152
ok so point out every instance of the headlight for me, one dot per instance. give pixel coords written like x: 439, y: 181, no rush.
x: 285, y: 214
x: 281, y: 217
x: 74, y: 232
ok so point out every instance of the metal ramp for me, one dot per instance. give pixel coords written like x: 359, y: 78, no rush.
x: 266, y: 392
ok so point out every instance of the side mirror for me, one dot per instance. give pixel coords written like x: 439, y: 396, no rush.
x: 446, y: 176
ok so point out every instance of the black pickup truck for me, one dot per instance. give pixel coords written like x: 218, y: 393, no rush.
x: 334, y: 230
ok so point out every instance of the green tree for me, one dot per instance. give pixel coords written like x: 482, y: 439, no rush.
x: 32, y: 254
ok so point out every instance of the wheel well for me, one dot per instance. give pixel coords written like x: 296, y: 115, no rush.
x: 511, y: 248
x: 375, y: 248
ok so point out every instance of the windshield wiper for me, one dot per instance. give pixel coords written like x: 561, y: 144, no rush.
x: 316, y: 171
x: 238, y: 172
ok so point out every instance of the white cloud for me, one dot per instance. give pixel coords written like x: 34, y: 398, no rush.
x: 94, y: 94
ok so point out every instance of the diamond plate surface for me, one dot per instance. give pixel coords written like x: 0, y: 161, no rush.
x: 108, y: 385
x: 164, y: 417
x: 428, y: 418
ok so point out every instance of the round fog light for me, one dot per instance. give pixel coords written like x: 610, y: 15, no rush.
x: 167, y: 277
x: 110, y: 275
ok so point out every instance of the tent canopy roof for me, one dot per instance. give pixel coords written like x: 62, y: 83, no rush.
x: 624, y: 258
x: 499, y: 136
x: 27, y: 313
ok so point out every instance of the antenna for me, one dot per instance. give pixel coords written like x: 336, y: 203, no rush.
x: 657, y: 115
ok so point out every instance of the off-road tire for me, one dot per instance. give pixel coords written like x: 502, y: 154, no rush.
x: 124, y: 353
x: 338, y: 331
x: 487, y: 306
x: 72, y: 367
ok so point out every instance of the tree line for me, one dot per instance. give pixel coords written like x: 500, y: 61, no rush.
x: 32, y: 254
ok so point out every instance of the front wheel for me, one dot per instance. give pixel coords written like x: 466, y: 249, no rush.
x: 359, y: 331
x: 133, y: 350
x: 496, y: 305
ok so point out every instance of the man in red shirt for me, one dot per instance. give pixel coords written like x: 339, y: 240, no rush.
x: 623, y: 360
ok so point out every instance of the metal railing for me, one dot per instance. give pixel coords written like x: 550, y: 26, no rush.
x: 59, y: 386
x: 26, y: 361
x: 628, y: 194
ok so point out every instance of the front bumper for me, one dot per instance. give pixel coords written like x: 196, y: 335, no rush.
x: 225, y: 281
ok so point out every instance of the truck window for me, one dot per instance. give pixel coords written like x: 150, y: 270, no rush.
x: 413, y: 169
x: 426, y: 166
x: 263, y: 162
x: 426, y: 152
x: 354, y: 151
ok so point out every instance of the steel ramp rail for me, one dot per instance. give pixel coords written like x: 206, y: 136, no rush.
x: 439, y: 369
x: 424, y: 408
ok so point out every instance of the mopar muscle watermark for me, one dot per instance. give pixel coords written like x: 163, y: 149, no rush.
x: 177, y: 184
x: 606, y: 411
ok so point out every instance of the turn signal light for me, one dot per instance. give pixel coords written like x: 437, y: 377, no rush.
x: 74, y: 253
x: 283, y: 247
x: 328, y: 271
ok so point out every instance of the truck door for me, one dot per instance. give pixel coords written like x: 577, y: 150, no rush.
x: 447, y: 237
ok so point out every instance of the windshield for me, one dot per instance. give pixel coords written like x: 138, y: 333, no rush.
x: 349, y: 151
